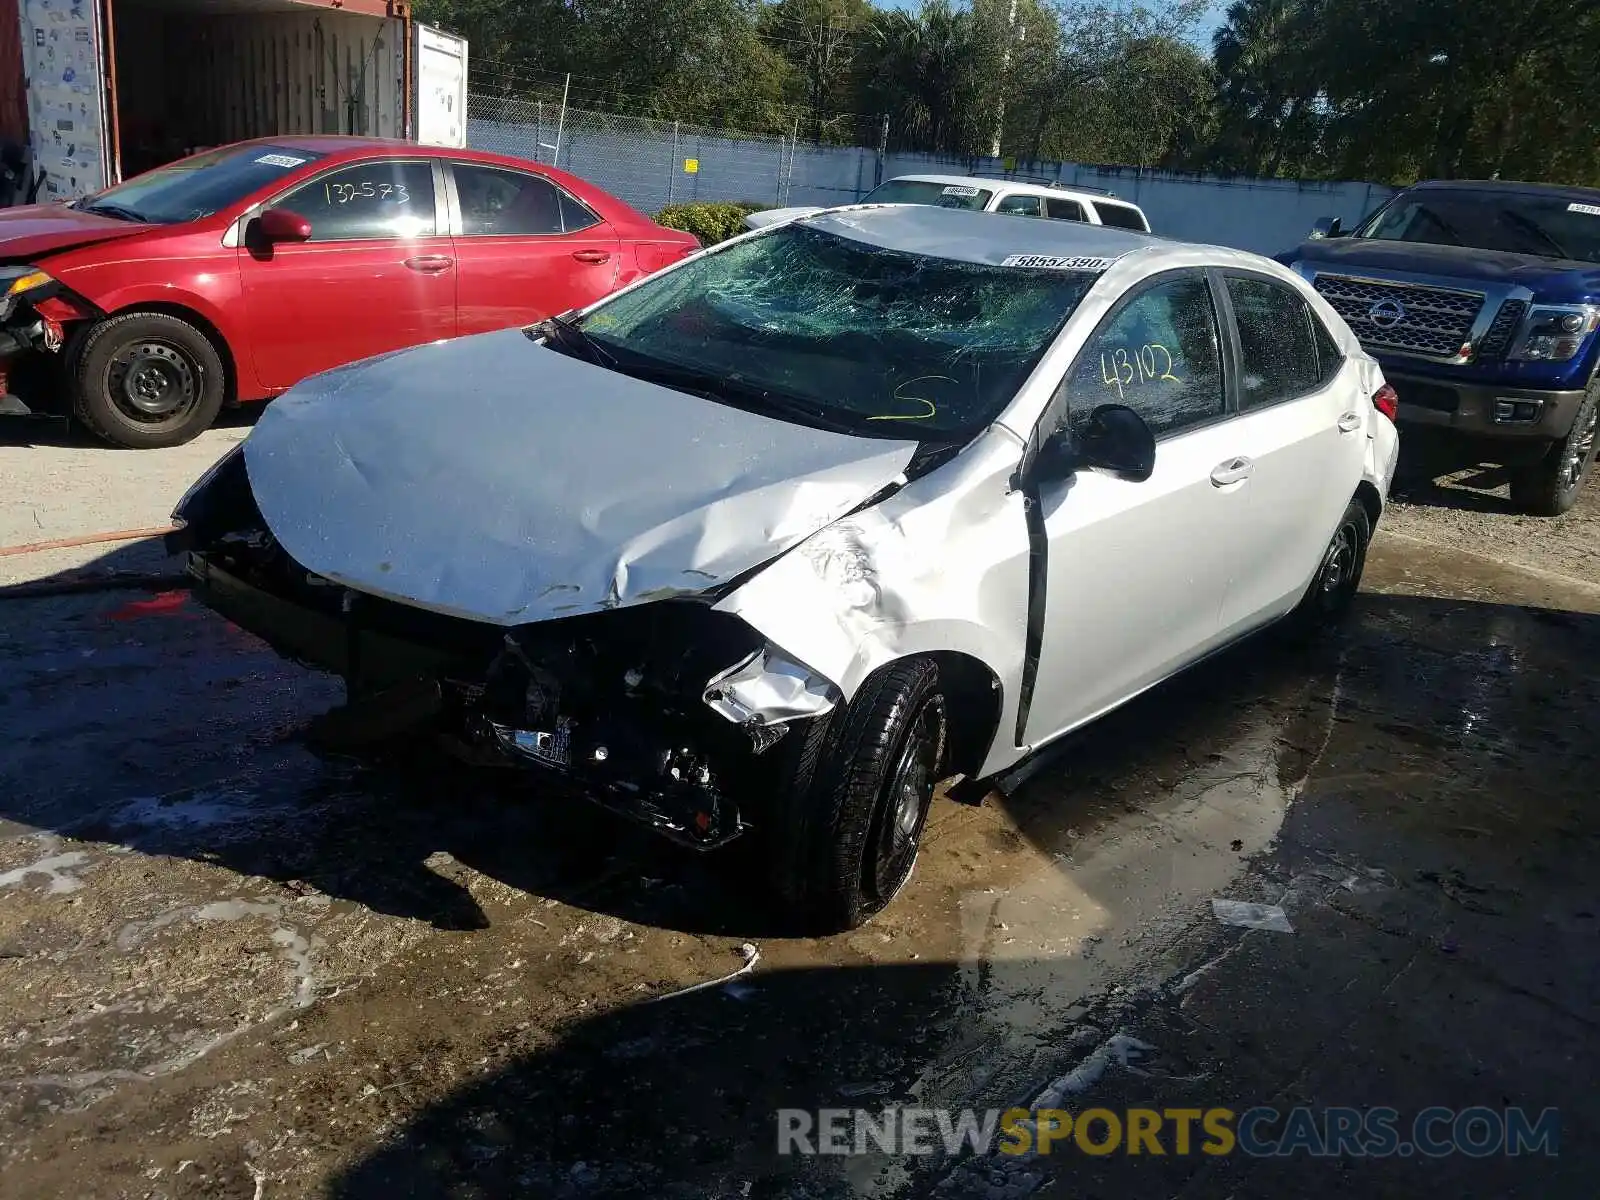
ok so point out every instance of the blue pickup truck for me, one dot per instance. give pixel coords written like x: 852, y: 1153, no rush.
x: 1482, y: 302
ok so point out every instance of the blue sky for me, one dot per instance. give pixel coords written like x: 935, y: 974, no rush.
x: 1203, y: 34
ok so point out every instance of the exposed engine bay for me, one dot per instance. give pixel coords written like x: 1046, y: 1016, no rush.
x: 665, y: 712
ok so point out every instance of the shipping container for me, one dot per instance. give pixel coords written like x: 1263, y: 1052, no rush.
x: 115, y: 87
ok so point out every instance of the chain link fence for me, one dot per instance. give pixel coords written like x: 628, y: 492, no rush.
x: 648, y: 163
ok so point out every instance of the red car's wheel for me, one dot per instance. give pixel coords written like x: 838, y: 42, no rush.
x: 145, y: 380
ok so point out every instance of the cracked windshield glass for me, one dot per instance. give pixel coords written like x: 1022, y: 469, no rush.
x: 813, y: 327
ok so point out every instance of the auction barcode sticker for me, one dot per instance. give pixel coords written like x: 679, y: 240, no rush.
x: 1051, y: 263
x: 1592, y: 209
x: 959, y: 189
x: 279, y: 160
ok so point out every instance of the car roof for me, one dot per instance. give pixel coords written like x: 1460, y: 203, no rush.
x: 977, y: 237
x: 1560, y: 191
x: 993, y: 184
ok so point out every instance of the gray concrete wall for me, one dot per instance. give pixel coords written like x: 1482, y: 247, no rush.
x: 645, y: 167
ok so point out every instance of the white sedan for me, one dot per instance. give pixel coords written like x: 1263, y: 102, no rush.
x: 773, y: 541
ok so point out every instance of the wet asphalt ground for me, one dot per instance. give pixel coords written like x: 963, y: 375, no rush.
x: 232, y: 968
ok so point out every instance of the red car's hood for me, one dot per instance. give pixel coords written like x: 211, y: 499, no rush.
x: 37, y: 229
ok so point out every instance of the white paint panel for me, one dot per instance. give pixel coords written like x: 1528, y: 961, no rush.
x: 441, y: 60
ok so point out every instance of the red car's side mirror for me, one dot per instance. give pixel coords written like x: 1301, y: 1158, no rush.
x: 282, y: 225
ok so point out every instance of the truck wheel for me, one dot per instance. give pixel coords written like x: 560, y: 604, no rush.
x: 845, y: 833
x: 1338, y: 576
x: 145, y: 380
x: 1550, y: 486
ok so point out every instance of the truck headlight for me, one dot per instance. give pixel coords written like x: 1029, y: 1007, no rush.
x: 1555, y: 332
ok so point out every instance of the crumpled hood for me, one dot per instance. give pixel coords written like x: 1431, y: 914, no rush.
x: 35, y: 230
x: 494, y: 479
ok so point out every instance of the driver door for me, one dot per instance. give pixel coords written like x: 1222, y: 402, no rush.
x: 1136, y: 572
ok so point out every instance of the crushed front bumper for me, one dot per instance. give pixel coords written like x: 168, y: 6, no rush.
x: 674, y: 768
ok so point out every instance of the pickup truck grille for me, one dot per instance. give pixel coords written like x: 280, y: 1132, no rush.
x: 1434, y: 322
x: 1498, y: 338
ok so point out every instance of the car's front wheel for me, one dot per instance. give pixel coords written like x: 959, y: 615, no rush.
x: 145, y: 380
x: 855, y: 797
x: 1550, y: 485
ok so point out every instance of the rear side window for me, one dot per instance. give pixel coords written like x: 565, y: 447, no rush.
x: 1278, y: 352
x: 1160, y: 355
x: 1064, y: 210
x: 1023, y: 205
x: 499, y: 203
x: 1121, y: 216
x: 1329, y: 357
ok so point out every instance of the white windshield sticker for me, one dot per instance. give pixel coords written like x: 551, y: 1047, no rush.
x: 960, y: 189
x: 1051, y: 263
x: 1592, y: 209
x: 280, y: 160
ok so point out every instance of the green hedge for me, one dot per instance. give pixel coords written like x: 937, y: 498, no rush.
x: 711, y: 223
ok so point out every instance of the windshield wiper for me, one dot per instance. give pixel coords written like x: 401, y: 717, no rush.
x: 114, y: 210
x: 1511, y: 217
x: 570, y: 336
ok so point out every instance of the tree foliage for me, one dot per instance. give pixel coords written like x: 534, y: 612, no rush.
x: 1381, y: 89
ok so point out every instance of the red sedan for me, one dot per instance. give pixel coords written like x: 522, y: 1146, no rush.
x: 234, y: 274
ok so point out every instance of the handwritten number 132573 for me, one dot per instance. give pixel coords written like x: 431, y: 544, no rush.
x: 367, y: 189
x: 1152, y: 361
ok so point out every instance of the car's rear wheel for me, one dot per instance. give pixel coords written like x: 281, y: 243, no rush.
x: 1338, y: 576
x: 1550, y: 485
x: 145, y: 380
x: 855, y: 798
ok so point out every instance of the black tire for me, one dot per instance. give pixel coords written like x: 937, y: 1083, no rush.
x: 1338, y: 576
x: 844, y: 835
x: 1550, y: 486
x: 145, y: 380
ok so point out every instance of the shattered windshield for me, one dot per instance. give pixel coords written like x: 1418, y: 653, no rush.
x: 942, y: 195
x: 1547, y: 226
x: 817, y: 328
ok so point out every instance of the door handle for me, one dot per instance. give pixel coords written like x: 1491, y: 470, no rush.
x: 1235, y: 470
x: 592, y: 256
x: 1350, y: 422
x: 430, y: 264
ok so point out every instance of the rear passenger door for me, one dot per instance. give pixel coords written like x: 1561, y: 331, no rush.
x: 526, y: 248
x: 1302, y: 431
x: 1059, y: 208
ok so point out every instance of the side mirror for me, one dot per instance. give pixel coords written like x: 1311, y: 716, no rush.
x: 281, y: 225
x: 1326, y: 227
x: 1116, y: 439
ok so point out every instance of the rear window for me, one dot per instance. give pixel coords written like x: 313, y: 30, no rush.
x: 919, y: 191
x: 1121, y: 216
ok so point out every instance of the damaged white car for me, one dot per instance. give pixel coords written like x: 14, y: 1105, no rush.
x: 775, y: 540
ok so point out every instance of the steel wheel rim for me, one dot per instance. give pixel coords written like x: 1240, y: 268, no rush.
x: 153, y: 382
x: 1339, y: 565
x: 905, y: 799
x: 1580, y: 451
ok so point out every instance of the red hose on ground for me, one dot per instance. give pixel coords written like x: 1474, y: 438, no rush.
x: 88, y: 539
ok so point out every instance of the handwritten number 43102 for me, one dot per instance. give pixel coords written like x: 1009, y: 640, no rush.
x: 1152, y: 361
x: 367, y: 189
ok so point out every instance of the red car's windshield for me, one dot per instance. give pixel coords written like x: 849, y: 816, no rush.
x: 197, y: 187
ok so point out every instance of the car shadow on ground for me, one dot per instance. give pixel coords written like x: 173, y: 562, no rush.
x: 48, y: 429
x: 1436, y: 830
x: 139, y: 719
